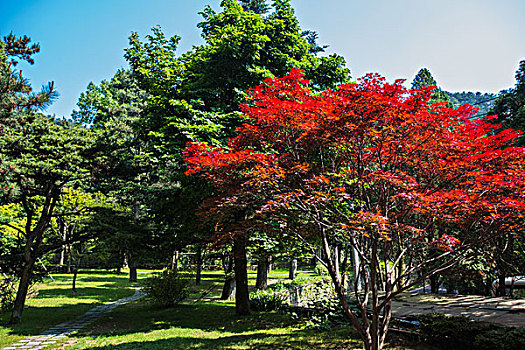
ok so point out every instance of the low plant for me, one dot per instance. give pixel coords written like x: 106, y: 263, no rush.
x: 266, y: 300
x: 7, y: 294
x: 457, y: 332
x: 168, y: 288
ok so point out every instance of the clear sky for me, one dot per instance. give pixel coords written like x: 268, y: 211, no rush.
x: 468, y: 45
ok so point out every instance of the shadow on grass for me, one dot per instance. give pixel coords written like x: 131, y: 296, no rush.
x: 37, y: 319
x: 205, y: 316
x: 259, y: 341
x: 98, y: 294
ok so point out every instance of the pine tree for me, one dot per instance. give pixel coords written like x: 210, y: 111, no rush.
x: 424, y: 78
x: 510, y: 104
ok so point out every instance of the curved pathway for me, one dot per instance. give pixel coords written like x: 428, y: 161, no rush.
x: 62, y: 330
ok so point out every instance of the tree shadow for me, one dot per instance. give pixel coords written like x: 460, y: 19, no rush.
x: 296, y: 339
x: 35, y: 320
x: 206, y: 316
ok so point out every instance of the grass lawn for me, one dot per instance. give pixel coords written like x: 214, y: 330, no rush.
x: 56, y: 303
x: 142, y: 325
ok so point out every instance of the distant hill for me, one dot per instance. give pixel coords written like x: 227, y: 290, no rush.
x: 483, y: 101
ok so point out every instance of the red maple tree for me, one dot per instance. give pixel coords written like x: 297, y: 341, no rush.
x: 370, y: 166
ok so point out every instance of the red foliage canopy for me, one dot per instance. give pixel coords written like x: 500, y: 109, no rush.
x: 372, y: 156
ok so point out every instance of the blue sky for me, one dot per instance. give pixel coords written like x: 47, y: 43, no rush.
x: 471, y: 45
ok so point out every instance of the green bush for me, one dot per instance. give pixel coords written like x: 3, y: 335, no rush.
x: 168, y: 289
x: 266, y: 300
x: 7, y: 294
x: 456, y: 332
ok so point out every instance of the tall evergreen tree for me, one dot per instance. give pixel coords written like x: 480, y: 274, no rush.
x: 196, y: 96
x: 510, y: 104
x: 256, y: 6
x: 424, y: 78
x: 38, y: 156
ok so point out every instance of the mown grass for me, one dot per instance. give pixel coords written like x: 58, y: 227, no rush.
x: 142, y: 325
x: 204, y: 325
x: 56, y: 302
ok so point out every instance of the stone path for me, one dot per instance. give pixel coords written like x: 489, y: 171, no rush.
x: 507, y: 312
x: 62, y: 330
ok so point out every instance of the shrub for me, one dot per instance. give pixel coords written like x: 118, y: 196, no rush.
x: 266, y: 300
x: 456, y: 332
x: 167, y: 289
x: 7, y: 295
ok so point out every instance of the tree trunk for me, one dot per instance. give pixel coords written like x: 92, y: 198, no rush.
x: 357, y: 267
x: 363, y: 330
x: 229, y: 282
x: 292, y: 271
x: 199, y: 265
x: 133, y: 274
x: 262, y: 273
x: 75, y: 274
x: 434, y: 283
x: 132, y: 268
x: 62, y: 259
x: 34, y: 238
x: 68, y: 252
x: 344, y: 267
x: 336, y: 260
x: 501, y: 292
x: 242, y: 299
x: 175, y: 262
x: 23, y: 287
x: 400, y: 271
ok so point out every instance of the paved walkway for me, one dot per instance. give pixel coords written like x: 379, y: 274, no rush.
x: 507, y: 312
x: 62, y: 330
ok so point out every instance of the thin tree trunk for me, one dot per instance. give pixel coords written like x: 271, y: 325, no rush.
x: 357, y: 266
x: 262, y: 273
x: 501, y: 292
x: 68, y: 252
x: 199, y: 264
x: 344, y: 267
x: 63, y: 249
x: 292, y: 271
x: 175, y: 262
x: 242, y: 299
x: 336, y: 260
x: 229, y: 282
x: 363, y: 330
x: 75, y: 274
x: 132, y: 268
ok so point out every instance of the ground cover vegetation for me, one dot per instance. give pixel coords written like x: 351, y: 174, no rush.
x: 254, y: 149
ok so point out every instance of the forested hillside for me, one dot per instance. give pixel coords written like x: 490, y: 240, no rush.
x: 484, y: 101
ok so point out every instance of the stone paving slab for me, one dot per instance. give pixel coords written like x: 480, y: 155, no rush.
x: 62, y: 330
x: 507, y: 312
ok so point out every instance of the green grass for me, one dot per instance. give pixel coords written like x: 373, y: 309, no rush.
x: 56, y: 303
x: 143, y: 325
x: 204, y: 325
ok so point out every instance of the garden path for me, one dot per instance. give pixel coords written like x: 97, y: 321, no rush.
x: 507, y: 312
x: 62, y: 330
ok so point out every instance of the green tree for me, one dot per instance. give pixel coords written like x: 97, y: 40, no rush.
x: 196, y: 96
x: 44, y: 157
x: 510, y: 104
x: 423, y: 79
x: 16, y: 95
x: 39, y: 156
x: 111, y: 109
x: 257, y: 6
